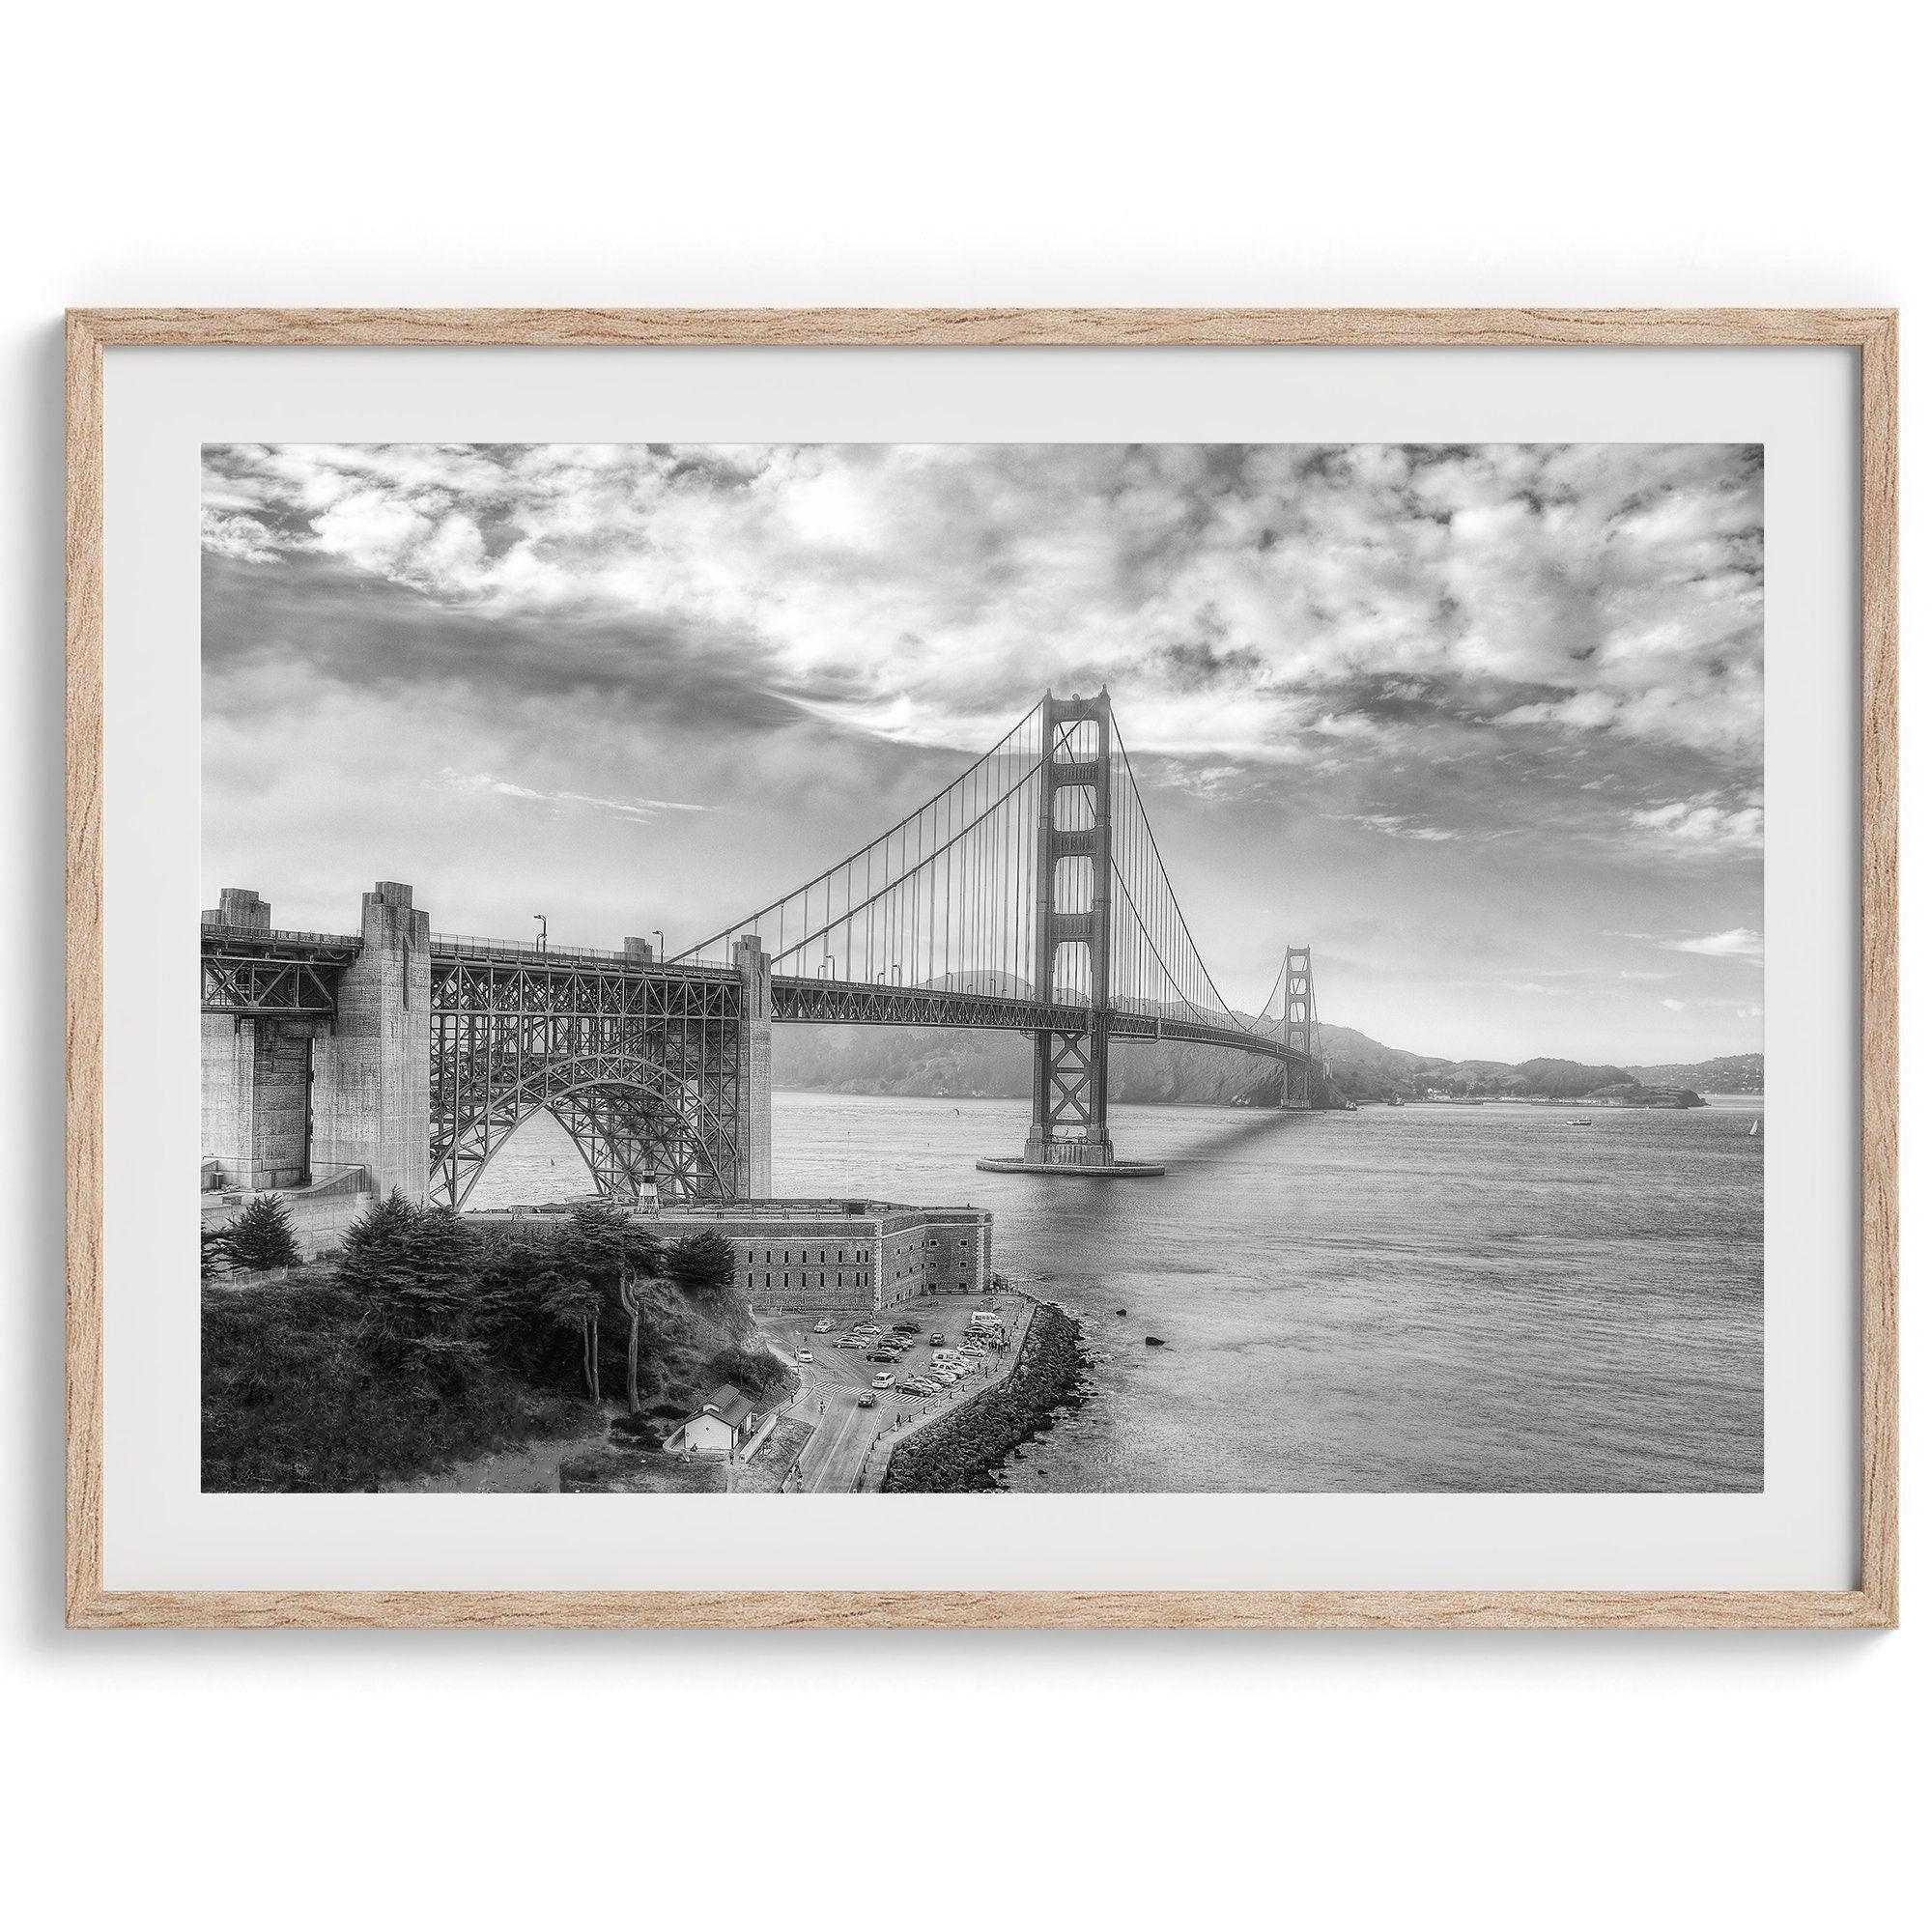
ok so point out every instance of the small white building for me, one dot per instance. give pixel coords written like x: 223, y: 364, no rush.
x: 717, y: 1428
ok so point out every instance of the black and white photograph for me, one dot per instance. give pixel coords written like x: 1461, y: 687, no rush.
x: 1047, y: 871
x: 783, y: 969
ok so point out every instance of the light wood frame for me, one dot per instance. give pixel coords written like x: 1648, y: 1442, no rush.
x: 1872, y: 333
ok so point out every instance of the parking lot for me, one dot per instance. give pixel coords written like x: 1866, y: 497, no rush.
x: 852, y: 1441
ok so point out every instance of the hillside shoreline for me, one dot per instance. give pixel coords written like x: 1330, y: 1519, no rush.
x: 960, y: 1064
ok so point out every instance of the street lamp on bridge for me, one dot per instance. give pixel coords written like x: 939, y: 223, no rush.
x: 543, y: 931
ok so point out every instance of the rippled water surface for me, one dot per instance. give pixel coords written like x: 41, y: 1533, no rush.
x: 1414, y: 1298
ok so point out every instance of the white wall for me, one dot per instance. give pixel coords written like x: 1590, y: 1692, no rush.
x: 991, y: 153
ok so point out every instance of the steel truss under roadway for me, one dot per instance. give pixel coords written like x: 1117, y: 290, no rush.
x: 643, y: 1068
x: 256, y: 974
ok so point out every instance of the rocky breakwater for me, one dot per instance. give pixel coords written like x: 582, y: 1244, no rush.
x: 966, y: 1450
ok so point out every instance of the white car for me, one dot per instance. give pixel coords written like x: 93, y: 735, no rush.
x: 950, y: 1377
x: 805, y: 1354
x: 822, y: 1327
x: 884, y: 1380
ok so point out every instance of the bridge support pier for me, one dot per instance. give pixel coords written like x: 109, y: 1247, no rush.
x: 755, y: 1071
x: 255, y: 1079
x: 372, y: 1075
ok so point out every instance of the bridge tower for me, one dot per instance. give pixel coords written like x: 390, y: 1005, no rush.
x: 1069, y: 1069
x: 1074, y: 897
x: 1297, y: 1029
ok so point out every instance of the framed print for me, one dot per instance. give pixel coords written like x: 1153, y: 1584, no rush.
x: 1006, y: 968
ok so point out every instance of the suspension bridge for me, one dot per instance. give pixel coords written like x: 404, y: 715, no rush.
x: 1029, y: 894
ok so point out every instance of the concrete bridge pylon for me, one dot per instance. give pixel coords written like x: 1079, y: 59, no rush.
x: 372, y: 1068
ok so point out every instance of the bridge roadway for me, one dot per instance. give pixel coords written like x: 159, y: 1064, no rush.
x: 269, y: 974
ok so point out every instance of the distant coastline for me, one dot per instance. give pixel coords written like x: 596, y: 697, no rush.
x: 958, y: 1064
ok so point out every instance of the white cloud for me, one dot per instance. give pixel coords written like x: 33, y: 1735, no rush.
x: 1740, y: 943
x: 1703, y: 825
x: 225, y: 534
x: 623, y: 807
x: 1243, y: 602
x: 1392, y: 825
x: 1675, y: 1005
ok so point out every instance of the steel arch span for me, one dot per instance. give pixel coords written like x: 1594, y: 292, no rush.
x: 647, y: 1073
x: 634, y: 1126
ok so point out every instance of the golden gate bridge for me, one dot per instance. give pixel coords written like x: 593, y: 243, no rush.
x: 1029, y: 894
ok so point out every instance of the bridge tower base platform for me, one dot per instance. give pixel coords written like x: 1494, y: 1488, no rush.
x: 1109, y: 1169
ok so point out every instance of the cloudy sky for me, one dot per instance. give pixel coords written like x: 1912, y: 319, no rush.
x: 1481, y: 724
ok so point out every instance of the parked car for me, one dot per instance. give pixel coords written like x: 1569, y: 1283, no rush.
x: 822, y: 1327
x: 883, y: 1380
x: 917, y: 1385
x: 937, y: 1340
x: 880, y: 1355
x: 867, y: 1399
x: 905, y: 1327
x: 947, y: 1377
x: 849, y: 1342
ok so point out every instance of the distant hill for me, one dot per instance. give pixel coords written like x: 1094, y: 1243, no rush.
x: 960, y: 1061
x: 1729, y: 1073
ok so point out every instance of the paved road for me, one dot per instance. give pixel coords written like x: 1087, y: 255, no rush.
x: 836, y: 1452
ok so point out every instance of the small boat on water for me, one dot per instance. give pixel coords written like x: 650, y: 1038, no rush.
x: 1757, y: 1126
x: 1580, y: 1124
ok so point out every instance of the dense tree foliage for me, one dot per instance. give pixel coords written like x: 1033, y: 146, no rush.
x: 215, y: 1255
x: 438, y: 1338
x: 703, y: 1264
x: 295, y: 1395
x: 260, y: 1237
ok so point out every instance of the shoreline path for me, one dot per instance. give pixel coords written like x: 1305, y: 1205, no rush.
x: 851, y: 1445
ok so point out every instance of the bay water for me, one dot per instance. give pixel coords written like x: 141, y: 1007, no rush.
x: 1398, y: 1299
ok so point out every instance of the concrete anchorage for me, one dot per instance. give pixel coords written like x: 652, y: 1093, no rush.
x: 372, y: 1073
